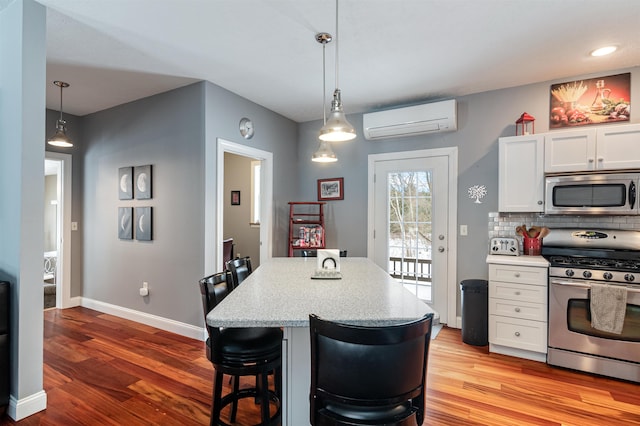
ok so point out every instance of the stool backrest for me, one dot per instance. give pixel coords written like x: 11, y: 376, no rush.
x: 366, y: 372
x: 240, y: 269
x: 213, y: 289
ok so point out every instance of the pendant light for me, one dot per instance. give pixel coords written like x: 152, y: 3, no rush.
x: 324, y: 154
x: 337, y: 128
x: 60, y: 138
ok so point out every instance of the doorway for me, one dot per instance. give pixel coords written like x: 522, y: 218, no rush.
x: 57, y: 238
x: 215, y: 198
x: 412, y: 219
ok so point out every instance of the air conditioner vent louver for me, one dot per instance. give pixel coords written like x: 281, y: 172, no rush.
x: 409, y: 121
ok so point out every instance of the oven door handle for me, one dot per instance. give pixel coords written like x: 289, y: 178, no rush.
x: 585, y: 285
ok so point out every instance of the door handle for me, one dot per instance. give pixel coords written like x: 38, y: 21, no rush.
x: 441, y: 249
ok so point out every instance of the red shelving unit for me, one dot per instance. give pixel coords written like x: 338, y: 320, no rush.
x: 306, y: 226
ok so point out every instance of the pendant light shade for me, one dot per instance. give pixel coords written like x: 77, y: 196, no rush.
x: 60, y: 138
x: 324, y: 154
x: 336, y: 128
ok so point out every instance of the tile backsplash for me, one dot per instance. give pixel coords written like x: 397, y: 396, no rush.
x: 504, y: 224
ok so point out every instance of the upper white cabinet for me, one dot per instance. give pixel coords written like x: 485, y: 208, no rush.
x: 521, y: 173
x: 570, y: 151
x: 617, y: 147
x: 605, y: 148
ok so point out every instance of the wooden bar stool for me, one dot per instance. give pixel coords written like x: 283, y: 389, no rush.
x: 252, y: 351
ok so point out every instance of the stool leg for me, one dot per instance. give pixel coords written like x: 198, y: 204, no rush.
x: 217, y: 399
x: 234, y: 405
x: 264, y: 394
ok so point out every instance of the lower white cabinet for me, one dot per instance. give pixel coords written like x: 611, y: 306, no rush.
x: 518, y: 311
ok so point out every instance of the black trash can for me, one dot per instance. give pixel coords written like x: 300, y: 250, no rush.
x: 475, y: 312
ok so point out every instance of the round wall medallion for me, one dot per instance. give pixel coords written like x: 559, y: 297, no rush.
x: 246, y: 128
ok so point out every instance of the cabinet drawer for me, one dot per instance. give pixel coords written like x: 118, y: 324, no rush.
x: 517, y: 333
x: 518, y: 292
x: 518, y: 274
x: 521, y: 310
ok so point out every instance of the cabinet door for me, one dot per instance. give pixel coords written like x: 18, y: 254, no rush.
x: 521, y: 174
x: 617, y: 147
x: 573, y: 151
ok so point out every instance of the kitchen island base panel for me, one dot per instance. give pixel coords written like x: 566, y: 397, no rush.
x: 597, y: 365
x: 296, y: 380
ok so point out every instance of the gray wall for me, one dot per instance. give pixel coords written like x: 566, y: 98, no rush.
x: 168, y: 131
x: 22, y: 135
x: 482, y: 119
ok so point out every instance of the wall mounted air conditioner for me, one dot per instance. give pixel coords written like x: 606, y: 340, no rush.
x: 409, y: 121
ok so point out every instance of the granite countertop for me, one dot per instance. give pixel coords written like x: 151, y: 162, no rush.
x: 537, y: 261
x: 281, y: 293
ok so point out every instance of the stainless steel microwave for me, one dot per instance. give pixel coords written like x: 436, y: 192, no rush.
x: 602, y: 193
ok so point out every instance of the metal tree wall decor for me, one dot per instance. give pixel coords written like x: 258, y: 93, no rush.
x: 477, y: 192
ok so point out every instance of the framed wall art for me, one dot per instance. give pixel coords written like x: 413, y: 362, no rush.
x: 125, y: 229
x: 591, y: 101
x: 330, y: 189
x: 142, y: 182
x: 125, y: 183
x: 235, y: 198
x: 144, y: 223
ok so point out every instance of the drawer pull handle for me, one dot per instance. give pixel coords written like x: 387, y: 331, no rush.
x: 517, y: 309
x: 517, y: 333
x: 517, y: 293
x: 517, y: 274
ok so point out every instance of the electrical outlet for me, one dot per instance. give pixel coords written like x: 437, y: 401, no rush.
x: 463, y: 230
x: 145, y: 285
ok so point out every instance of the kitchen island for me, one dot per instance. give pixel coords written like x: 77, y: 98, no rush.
x: 281, y: 293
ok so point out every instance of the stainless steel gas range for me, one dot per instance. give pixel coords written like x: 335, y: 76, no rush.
x: 579, y: 260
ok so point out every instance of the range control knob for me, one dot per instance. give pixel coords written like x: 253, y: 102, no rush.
x: 629, y: 277
x: 607, y: 275
x: 569, y: 272
x: 586, y: 274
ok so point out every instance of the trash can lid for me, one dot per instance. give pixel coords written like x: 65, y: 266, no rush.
x: 474, y: 284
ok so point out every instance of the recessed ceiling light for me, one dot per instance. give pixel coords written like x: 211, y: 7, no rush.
x: 604, y: 51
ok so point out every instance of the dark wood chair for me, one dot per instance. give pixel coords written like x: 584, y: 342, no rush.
x: 368, y: 375
x: 227, y: 250
x: 253, y: 351
x: 240, y: 269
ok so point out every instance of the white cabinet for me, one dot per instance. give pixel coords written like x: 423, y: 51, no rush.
x: 604, y: 148
x: 521, y: 173
x: 518, y: 310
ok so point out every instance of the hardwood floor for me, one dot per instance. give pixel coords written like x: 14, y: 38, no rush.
x: 103, y: 370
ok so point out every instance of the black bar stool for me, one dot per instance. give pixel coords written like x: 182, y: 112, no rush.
x: 252, y: 351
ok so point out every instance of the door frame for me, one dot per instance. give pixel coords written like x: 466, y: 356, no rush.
x: 63, y: 268
x: 214, y: 201
x: 452, y: 155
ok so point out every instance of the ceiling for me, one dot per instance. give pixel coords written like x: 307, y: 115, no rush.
x: 391, y: 52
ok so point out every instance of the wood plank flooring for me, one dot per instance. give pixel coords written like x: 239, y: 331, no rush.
x: 104, y: 370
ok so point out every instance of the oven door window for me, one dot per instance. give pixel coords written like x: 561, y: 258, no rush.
x: 590, y: 195
x: 579, y: 321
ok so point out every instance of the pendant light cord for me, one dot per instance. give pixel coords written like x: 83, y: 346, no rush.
x: 337, y: 43
x: 324, y: 84
x: 61, y: 102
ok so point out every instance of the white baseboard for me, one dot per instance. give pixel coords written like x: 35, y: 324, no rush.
x: 25, y: 407
x: 165, y: 324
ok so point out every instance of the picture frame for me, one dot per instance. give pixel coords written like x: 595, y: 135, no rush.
x: 142, y: 182
x: 598, y: 100
x: 125, y: 183
x: 331, y: 189
x: 235, y: 198
x: 125, y: 228
x: 144, y: 223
